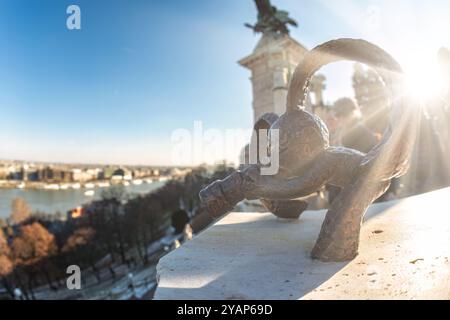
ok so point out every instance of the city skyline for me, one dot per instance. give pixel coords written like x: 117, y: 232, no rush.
x: 4, y: 162
x: 114, y: 91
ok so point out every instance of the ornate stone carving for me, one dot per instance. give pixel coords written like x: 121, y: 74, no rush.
x: 307, y: 162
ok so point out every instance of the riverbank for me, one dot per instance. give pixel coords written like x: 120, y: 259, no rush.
x: 16, y: 184
x: 62, y: 200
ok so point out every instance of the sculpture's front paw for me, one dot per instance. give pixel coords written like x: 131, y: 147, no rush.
x: 222, y: 195
x: 213, y: 200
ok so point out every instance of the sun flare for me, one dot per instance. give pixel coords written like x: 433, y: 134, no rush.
x: 423, y: 78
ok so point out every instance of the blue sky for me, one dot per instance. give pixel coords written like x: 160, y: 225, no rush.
x: 114, y: 91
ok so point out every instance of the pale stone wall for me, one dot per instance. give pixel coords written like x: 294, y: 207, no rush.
x: 403, y: 254
x: 272, y: 63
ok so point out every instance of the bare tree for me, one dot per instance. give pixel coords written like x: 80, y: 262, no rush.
x: 33, y: 244
x: 6, y: 265
x: 81, y: 247
x: 20, y: 211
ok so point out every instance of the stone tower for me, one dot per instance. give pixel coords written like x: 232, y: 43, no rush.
x: 272, y: 63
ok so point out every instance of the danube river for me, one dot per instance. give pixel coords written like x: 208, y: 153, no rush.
x: 52, y: 201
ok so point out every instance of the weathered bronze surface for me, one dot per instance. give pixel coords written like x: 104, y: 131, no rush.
x: 270, y: 19
x: 307, y: 162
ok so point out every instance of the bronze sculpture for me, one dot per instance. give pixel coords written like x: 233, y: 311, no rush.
x: 307, y: 162
x: 270, y: 19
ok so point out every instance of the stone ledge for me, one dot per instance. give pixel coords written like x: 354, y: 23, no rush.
x: 404, y: 254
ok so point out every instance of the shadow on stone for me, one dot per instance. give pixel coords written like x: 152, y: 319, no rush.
x: 251, y: 256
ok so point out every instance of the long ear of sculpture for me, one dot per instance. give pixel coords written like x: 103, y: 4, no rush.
x: 390, y: 158
x: 266, y: 120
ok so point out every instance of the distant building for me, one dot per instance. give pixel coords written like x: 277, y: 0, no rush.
x: 122, y: 174
x: 142, y: 173
x: 50, y: 174
x: 5, y: 173
x: 80, y: 175
x: 33, y: 175
x: 107, y: 173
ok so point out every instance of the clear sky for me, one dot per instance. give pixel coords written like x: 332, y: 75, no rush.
x: 115, y: 91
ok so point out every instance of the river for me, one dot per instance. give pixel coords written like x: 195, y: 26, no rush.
x: 52, y: 201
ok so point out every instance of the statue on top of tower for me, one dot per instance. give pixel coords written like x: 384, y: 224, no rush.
x: 270, y: 19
